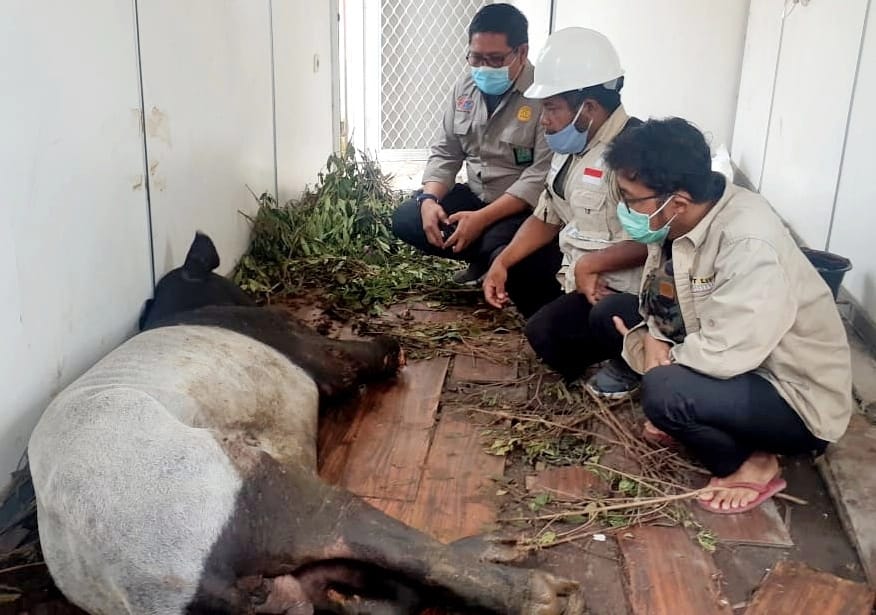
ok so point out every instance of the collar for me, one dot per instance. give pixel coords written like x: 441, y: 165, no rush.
x: 527, y: 76
x: 698, y: 233
x: 610, y: 129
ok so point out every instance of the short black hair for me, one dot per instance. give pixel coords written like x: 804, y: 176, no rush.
x: 501, y: 19
x: 667, y: 155
x: 610, y: 100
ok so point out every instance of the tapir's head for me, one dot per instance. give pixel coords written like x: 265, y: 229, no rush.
x: 192, y: 286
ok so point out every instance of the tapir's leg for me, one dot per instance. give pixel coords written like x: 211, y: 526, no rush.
x: 337, y: 366
x: 286, y: 521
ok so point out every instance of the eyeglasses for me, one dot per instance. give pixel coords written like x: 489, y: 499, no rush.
x: 492, y: 60
x: 642, y: 199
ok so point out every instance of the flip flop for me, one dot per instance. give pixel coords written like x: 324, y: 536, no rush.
x: 764, y: 490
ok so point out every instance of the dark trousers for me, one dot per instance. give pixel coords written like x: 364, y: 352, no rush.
x: 722, y: 422
x: 407, y: 225
x: 570, y: 335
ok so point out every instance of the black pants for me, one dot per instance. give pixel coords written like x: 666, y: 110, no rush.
x: 407, y: 224
x: 570, y: 335
x: 723, y: 422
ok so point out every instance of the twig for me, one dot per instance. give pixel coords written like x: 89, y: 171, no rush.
x: 512, y: 417
x: 635, y: 503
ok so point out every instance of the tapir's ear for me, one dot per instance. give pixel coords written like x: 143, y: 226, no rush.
x: 202, y: 257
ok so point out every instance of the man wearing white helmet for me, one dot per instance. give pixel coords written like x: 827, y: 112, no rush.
x: 571, y: 260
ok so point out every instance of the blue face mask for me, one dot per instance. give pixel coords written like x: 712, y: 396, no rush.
x: 569, y: 140
x: 492, y: 81
x: 638, y: 225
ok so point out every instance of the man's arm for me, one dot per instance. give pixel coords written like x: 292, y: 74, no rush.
x: 587, y: 269
x: 532, y: 235
x: 522, y: 194
x: 742, y: 321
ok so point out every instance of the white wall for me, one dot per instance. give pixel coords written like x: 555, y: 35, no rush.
x: 855, y: 215
x: 756, y: 86
x: 682, y: 57
x: 303, y: 68
x: 74, y: 254
x: 814, y: 83
x: 208, y: 100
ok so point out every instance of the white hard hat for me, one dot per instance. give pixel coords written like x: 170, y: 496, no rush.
x: 572, y: 59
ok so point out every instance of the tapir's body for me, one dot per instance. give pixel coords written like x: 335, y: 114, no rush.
x: 178, y: 475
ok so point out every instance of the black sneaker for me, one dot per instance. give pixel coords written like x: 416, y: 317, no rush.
x: 614, y: 381
x: 472, y: 276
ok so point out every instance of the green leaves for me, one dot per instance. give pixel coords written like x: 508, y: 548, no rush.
x: 337, y: 238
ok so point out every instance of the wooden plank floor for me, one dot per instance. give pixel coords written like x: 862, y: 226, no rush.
x: 667, y: 574
x: 425, y: 465
x: 847, y: 468
x: 762, y: 526
x: 793, y: 588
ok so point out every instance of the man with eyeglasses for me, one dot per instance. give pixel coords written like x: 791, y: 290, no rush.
x: 743, y: 353
x: 571, y: 261
x: 491, y: 127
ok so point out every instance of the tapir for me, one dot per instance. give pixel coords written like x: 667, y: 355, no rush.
x: 179, y: 475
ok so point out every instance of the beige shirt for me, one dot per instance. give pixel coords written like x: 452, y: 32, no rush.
x: 587, y: 207
x: 505, y: 152
x: 751, y: 301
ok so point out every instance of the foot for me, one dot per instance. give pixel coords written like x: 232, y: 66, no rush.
x: 614, y: 381
x: 549, y: 595
x: 472, y: 276
x: 658, y: 436
x: 759, y: 469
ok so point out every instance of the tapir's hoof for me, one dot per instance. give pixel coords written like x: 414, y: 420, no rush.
x: 549, y: 595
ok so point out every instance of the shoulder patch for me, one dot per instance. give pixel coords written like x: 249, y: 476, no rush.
x: 464, y: 103
x: 524, y: 113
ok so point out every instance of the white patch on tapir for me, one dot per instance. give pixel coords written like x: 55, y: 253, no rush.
x: 133, y: 487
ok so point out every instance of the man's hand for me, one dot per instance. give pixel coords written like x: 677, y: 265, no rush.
x: 589, y: 282
x: 469, y: 226
x: 494, y: 285
x: 656, y: 351
x: 433, y: 216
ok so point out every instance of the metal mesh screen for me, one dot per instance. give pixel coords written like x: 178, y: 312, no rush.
x: 422, y: 55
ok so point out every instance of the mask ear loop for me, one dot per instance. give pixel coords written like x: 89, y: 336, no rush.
x: 659, y: 209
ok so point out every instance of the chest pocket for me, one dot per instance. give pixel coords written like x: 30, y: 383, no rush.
x: 589, y: 209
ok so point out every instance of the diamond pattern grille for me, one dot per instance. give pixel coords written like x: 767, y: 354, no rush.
x: 422, y: 55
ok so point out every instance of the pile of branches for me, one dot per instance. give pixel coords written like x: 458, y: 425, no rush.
x: 338, y: 239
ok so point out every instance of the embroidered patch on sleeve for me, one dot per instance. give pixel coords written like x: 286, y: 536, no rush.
x: 464, y: 103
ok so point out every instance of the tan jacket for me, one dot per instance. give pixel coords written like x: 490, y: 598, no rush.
x: 588, y: 209
x: 505, y: 152
x: 751, y: 301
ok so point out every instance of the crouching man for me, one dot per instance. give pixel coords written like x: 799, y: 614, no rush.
x: 571, y: 261
x: 743, y: 352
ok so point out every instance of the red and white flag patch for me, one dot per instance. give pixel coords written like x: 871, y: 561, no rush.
x: 592, y: 175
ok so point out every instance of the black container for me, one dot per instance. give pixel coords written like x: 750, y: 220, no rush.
x: 832, y: 267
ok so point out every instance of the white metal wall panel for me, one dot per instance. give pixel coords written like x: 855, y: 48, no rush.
x: 682, y: 57
x: 74, y: 254
x: 208, y: 103
x: 756, y: 86
x: 816, y: 73
x: 855, y: 216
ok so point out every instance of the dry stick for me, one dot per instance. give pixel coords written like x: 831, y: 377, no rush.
x: 637, y: 503
x: 509, y: 416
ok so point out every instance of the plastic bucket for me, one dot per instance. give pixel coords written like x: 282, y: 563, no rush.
x: 832, y: 267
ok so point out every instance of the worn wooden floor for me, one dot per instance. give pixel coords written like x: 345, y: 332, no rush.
x: 399, y: 448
